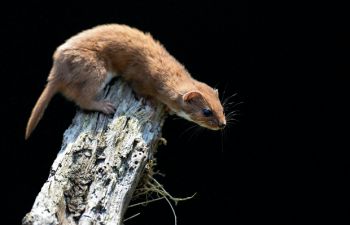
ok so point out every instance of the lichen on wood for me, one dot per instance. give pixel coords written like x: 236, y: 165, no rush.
x: 100, y: 162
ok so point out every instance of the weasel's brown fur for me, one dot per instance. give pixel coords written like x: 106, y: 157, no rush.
x: 86, y: 62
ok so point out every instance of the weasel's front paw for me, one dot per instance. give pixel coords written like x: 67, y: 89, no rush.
x: 107, y: 107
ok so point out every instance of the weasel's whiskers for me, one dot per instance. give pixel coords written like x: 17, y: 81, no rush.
x: 222, y: 140
x: 223, y: 94
x: 228, y: 98
x: 188, y: 129
x: 231, y: 110
x: 196, y: 132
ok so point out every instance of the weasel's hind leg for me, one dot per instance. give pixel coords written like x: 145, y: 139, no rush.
x: 84, y: 77
x: 103, y: 106
x: 89, y: 92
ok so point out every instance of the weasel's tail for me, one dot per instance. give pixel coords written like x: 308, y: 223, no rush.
x: 40, y: 106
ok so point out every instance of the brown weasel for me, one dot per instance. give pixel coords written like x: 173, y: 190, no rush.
x: 86, y: 62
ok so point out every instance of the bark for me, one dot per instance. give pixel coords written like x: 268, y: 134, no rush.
x: 100, y: 163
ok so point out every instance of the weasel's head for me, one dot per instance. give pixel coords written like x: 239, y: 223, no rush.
x: 203, y: 107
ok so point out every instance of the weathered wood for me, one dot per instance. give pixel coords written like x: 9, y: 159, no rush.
x: 100, y: 163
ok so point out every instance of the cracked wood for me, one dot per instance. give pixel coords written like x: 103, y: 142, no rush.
x: 100, y: 162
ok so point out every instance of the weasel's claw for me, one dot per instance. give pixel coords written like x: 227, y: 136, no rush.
x: 107, y: 108
x: 162, y: 141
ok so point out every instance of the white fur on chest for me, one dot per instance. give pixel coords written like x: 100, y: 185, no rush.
x: 183, y: 115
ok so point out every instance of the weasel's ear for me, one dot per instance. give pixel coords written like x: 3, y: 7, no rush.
x: 191, y: 96
x: 216, y: 92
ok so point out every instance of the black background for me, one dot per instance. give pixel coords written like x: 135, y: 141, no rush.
x: 279, y: 164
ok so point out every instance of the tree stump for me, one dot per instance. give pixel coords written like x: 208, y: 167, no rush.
x: 100, y: 162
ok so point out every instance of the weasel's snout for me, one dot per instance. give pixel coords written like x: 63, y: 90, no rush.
x: 222, y: 125
x: 221, y: 122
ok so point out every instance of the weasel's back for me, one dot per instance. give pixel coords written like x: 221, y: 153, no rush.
x: 112, y: 36
x: 119, y: 46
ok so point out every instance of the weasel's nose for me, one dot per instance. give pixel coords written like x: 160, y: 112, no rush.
x: 222, y: 125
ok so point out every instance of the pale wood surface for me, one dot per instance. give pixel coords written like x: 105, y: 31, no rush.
x: 100, y: 163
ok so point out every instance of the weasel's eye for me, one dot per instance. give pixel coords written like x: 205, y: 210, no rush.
x: 207, y: 112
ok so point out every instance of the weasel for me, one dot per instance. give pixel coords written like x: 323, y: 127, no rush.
x: 86, y: 62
